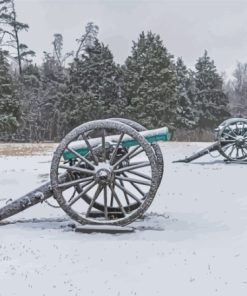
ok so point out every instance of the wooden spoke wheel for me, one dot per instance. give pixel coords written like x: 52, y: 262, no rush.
x: 232, y: 138
x: 159, y: 160
x: 159, y: 157
x: 112, y: 174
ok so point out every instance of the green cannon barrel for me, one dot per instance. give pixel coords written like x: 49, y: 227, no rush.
x: 161, y: 134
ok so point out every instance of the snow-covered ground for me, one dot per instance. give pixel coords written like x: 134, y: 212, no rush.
x: 193, y: 240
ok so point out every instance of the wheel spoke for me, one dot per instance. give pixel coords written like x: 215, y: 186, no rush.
x: 111, y: 202
x: 237, y: 154
x: 82, y: 193
x: 80, y: 157
x: 140, y: 175
x: 125, y: 194
x: 124, y: 189
x: 137, y: 153
x: 96, y: 195
x: 134, y: 185
x: 103, y: 145
x: 74, y: 182
x: 233, y: 131
x: 230, y: 154
x: 135, y: 163
x: 228, y: 135
x: 245, y: 154
x: 129, y: 168
x: 125, y: 156
x: 90, y: 149
x: 105, y: 202
x: 85, y: 184
x: 245, y: 133
x: 237, y: 128
x: 117, y: 199
x: 116, y: 149
x: 242, y: 130
x: 77, y: 169
x: 224, y: 148
x: 72, y: 196
x: 229, y: 141
x: 133, y: 180
x: 227, y: 146
x: 242, y: 149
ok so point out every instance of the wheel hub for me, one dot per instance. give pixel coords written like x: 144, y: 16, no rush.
x: 104, y: 174
x: 240, y: 141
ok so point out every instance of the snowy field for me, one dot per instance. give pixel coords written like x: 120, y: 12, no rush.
x: 193, y: 240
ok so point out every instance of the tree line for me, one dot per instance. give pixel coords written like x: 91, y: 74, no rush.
x: 44, y: 102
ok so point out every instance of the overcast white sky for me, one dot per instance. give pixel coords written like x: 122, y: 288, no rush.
x: 186, y: 27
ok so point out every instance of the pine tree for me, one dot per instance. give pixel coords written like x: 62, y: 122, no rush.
x: 150, y: 82
x: 211, y: 102
x: 31, y: 93
x: 186, y: 113
x: 54, y: 88
x: 94, y: 85
x: 10, y: 111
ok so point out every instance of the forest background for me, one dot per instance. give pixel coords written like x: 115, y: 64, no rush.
x: 43, y: 102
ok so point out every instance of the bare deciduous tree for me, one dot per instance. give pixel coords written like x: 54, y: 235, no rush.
x: 10, y: 33
x: 87, y: 40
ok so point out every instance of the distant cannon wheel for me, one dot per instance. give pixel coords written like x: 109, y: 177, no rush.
x: 110, y: 175
x: 232, y: 138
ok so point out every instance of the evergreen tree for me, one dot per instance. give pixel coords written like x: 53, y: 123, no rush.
x: 54, y: 88
x: 211, y: 102
x: 150, y: 82
x: 94, y: 86
x: 10, y: 112
x: 186, y: 113
x: 31, y: 126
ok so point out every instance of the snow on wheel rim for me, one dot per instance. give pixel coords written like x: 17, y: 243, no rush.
x: 103, y: 178
x: 232, y: 138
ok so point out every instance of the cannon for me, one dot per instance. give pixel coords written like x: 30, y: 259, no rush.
x: 230, y: 142
x: 103, y: 172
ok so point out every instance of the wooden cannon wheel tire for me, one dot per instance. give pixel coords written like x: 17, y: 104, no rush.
x: 103, y: 179
x: 232, y: 139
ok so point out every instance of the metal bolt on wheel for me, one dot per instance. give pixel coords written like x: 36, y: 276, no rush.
x: 110, y: 183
